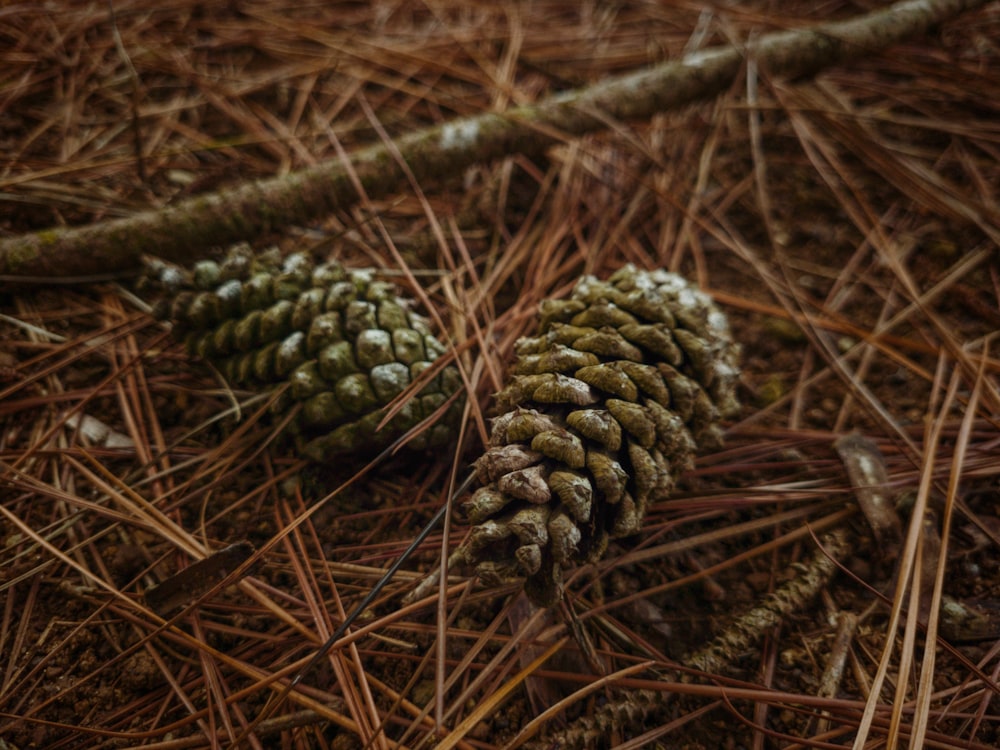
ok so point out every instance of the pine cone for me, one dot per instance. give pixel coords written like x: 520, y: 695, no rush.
x: 605, y: 407
x: 343, y: 340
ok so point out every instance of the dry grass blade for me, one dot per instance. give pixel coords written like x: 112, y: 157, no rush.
x: 906, y: 595
x: 926, y: 683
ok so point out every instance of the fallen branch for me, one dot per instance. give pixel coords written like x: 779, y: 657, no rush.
x: 183, y: 231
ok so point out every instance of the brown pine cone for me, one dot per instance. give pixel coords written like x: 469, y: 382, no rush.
x: 342, y: 339
x: 605, y: 408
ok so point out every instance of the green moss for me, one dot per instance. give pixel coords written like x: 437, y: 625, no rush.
x: 18, y: 257
x: 48, y: 237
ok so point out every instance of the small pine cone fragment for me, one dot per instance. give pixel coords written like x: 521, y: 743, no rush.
x: 625, y: 380
x: 344, y: 343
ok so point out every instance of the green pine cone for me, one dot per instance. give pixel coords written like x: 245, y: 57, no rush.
x: 604, y: 408
x: 343, y: 340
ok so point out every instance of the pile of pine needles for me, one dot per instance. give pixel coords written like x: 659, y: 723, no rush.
x: 800, y: 589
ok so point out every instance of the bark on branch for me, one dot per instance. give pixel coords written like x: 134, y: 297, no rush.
x: 182, y: 231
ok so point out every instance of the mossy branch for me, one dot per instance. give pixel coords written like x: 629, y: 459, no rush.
x: 183, y: 231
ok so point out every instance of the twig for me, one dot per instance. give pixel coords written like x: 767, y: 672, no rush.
x: 791, y: 597
x: 870, y: 480
x: 182, y: 231
x: 833, y: 672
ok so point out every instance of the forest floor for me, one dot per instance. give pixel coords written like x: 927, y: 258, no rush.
x: 847, y: 224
